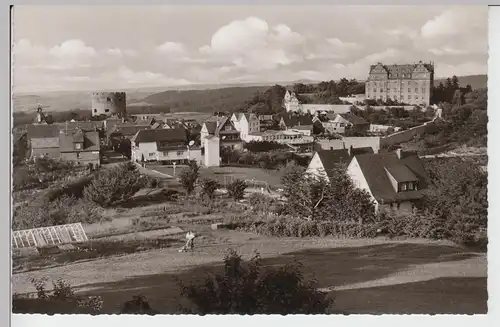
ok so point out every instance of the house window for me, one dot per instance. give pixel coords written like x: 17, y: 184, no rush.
x: 106, y: 110
x: 227, y: 128
x: 151, y: 154
x: 381, y: 91
x: 180, y: 153
x: 108, y: 99
x: 403, y: 187
x: 78, y: 154
x: 416, y: 90
x: 78, y: 146
x: 95, y: 110
x: 409, y: 97
x: 409, y: 90
x: 411, y: 186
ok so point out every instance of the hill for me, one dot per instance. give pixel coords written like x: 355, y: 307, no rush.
x: 476, y: 81
x: 210, y: 100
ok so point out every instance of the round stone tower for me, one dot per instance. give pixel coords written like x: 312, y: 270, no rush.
x: 109, y: 103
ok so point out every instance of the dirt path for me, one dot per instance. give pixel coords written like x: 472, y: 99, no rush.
x: 330, y: 260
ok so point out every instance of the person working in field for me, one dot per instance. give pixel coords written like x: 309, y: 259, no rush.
x: 189, y: 242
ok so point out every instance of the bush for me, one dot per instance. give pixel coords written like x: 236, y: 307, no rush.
x: 249, y: 288
x: 236, y: 189
x: 115, y: 185
x: 61, y: 299
x: 208, y: 187
x: 64, y: 210
x: 138, y: 305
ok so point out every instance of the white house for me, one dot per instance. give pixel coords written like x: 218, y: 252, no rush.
x: 166, y: 145
x: 324, y: 162
x: 211, y: 148
x: 394, y: 180
x: 245, y: 123
x: 224, y: 129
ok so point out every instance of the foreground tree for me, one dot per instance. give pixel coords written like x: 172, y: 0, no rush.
x: 114, y: 185
x: 188, y: 176
x: 208, y: 187
x: 249, y: 288
x: 236, y: 189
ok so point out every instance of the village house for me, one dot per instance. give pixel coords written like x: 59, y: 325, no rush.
x: 302, y: 123
x: 123, y: 131
x: 266, y: 122
x: 165, y: 145
x: 245, y: 123
x: 80, y: 147
x: 324, y: 162
x: 347, y: 121
x: 292, y: 104
x: 224, y: 129
x: 394, y: 180
x: 43, y: 140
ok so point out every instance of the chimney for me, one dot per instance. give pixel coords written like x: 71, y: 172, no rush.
x: 123, y: 120
x: 350, y: 151
x: 399, y: 153
x: 343, y: 145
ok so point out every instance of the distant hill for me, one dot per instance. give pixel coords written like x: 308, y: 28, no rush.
x: 476, y: 81
x: 208, y: 100
x: 196, y: 98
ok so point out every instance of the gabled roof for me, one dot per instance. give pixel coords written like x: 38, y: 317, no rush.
x: 295, y: 120
x: 211, y: 126
x: 353, y: 119
x: 90, y: 141
x: 128, y: 130
x: 374, y: 170
x: 331, y: 158
x: 42, y: 131
x: 86, y: 126
x: 160, y: 135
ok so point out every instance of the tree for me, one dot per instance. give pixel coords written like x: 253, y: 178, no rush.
x: 114, y: 185
x: 188, y: 176
x: 49, y: 119
x: 125, y: 147
x: 249, y: 288
x: 236, y: 189
x: 208, y: 187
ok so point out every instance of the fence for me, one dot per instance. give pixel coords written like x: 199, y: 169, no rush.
x: 53, y: 235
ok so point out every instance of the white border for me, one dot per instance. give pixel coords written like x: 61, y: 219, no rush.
x: 77, y: 321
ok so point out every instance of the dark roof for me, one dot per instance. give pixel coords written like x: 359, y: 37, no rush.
x: 86, y: 126
x: 295, y: 120
x: 353, y: 119
x: 331, y: 158
x: 42, y: 131
x: 374, y: 170
x: 90, y: 141
x: 160, y: 135
x: 398, y: 71
x: 400, y: 173
x: 211, y: 126
x: 362, y: 150
x: 128, y: 130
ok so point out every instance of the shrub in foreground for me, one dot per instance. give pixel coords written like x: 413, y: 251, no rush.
x: 250, y: 288
x: 236, y: 189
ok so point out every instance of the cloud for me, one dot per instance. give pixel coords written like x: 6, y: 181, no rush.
x: 252, y: 44
x: 146, y: 78
x: 454, y: 21
x: 447, y: 51
x: 121, y: 53
x: 72, y: 49
x: 171, y: 48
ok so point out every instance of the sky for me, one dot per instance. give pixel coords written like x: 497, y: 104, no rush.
x: 57, y: 48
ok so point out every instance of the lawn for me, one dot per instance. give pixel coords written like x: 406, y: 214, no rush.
x: 226, y: 174
x: 367, y: 276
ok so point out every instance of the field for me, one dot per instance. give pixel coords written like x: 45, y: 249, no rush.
x: 226, y: 174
